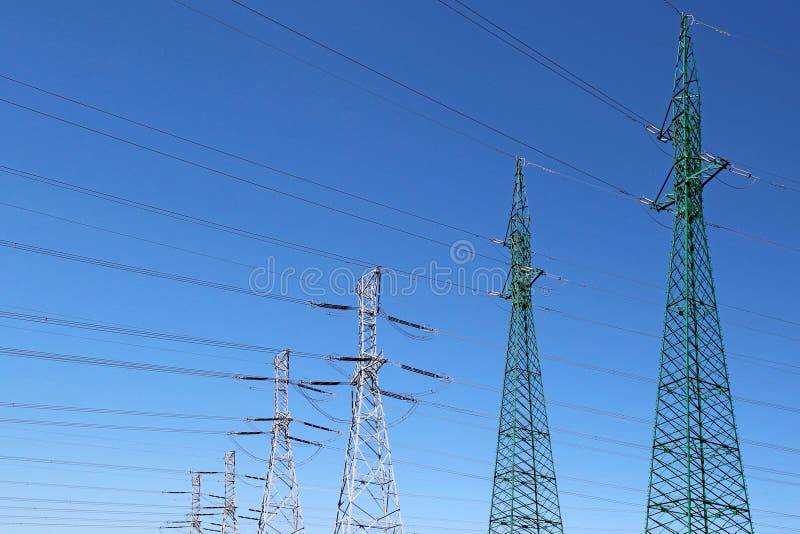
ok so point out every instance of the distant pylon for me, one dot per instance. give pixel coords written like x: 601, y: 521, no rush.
x: 368, y: 500
x: 195, y: 525
x: 524, y: 495
x: 697, y: 483
x: 230, y: 522
x: 280, y: 506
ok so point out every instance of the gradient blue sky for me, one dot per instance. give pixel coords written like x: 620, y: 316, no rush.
x: 160, y: 63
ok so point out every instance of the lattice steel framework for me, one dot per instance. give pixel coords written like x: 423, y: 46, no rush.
x: 368, y: 500
x: 196, y: 525
x: 525, y: 495
x: 697, y: 482
x: 280, y: 506
x: 230, y: 521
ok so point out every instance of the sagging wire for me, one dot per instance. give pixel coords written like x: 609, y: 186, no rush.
x: 753, y: 181
x: 332, y: 362
x: 314, y: 404
x: 648, y: 211
x: 319, y: 446
x: 244, y: 450
x: 402, y: 419
x: 310, y: 457
x: 332, y: 310
x: 417, y: 337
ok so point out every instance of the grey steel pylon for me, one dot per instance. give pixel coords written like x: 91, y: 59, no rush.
x: 195, y: 525
x: 280, y: 506
x: 368, y: 500
x: 230, y: 523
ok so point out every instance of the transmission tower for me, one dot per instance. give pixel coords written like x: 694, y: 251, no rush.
x: 697, y: 482
x: 524, y: 495
x: 280, y: 506
x: 196, y: 527
x: 368, y: 500
x: 230, y: 523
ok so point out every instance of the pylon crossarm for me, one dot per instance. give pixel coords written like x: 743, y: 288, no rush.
x: 706, y: 174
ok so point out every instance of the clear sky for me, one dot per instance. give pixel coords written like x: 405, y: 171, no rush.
x: 301, y: 109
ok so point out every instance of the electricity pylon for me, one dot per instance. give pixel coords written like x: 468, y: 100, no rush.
x: 697, y: 482
x: 524, y: 495
x: 280, y: 506
x: 230, y: 522
x: 196, y: 527
x: 368, y: 500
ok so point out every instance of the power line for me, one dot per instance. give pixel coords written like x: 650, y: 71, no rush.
x: 82, y: 502
x: 547, y: 62
x: 114, y: 411
x: 232, y: 176
x: 429, y: 98
x: 754, y: 360
x: 118, y: 364
x: 537, y: 56
x: 340, y: 78
x: 239, y: 157
x: 75, y: 486
x: 155, y: 334
x: 549, y: 275
x: 292, y: 245
x: 233, y: 230
x: 609, y: 100
x: 148, y: 272
x: 96, y: 465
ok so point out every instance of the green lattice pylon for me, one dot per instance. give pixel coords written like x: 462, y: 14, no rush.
x: 524, y: 496
x: 697, y: 482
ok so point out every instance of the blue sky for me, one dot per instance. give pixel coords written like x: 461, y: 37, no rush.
x: 164, y: 65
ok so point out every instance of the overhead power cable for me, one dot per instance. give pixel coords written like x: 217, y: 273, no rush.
x: 114, y: 467
x: 429, y: 98
x: 610, y: 185
x: 240, y: 157
x: 76, y: 486
x: 72, y: 187
x: 107, y: 426
x: 549, y: 275
x: 753, y: 360
x: 428, y: 118
x: 49, y: 320
x: 235, y: 177
x: 114, y: 411
x: 514, y: 42
x: 394, y: 103
x: 148, y: 272
x: 506, y: 37
x: 118, y: 364
x: 248, y: 234
x: 153, y: 334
